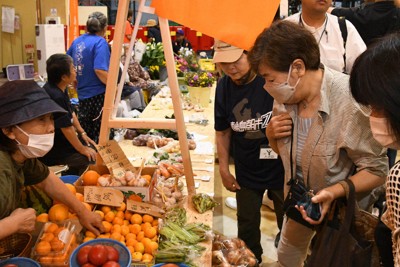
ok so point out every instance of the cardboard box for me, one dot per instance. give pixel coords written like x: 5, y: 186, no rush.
x: 145, y: 193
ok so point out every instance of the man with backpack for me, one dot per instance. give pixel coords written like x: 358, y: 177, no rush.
x: 338, y: 40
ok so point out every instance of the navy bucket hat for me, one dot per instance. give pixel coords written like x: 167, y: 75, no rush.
x: 22, y: 101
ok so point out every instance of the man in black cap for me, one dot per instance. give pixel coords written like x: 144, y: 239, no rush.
x: 27, y: 132
x: 180, y: 42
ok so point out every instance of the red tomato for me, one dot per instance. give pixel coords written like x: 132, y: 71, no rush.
x: 112, y: 253
x: 98, y: 255
x: 10, y: 265
x: 88, y: 265
x: 82, y: 256
x: 111, y: 264
x: 170, y: 265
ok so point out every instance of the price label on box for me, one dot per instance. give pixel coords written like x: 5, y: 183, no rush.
x: 103, y: 196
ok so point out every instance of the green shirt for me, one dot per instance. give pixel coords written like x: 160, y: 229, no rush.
x: 13, y: 177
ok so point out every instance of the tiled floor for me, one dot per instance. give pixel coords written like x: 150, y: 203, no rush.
x: 225, y: 220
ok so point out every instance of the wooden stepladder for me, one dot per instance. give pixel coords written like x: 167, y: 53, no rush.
x: 113, y: 91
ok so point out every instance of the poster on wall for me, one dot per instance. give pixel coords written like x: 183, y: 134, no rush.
x: 7, y: 19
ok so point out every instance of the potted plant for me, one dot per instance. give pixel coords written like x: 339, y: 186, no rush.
x: 185, y: 61
x: 199, y: 86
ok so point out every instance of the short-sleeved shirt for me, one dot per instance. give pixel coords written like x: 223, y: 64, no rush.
x: 13, y: 177
x: 89, y: 52
x: 128, y: 31
x: 62, y: 146
x: 247, y: 109
x: 330, y: 41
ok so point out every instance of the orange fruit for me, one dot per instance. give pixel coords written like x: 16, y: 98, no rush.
x: 46, y: 259
x: 44, y: 217
x: 151, y: 247
x: 90, y: 177
x: 118, y: 220
x: 148, y: 218
x: 122, y: 239
x: 124, y: 230
x: 72, y: 216
x: 61, y: 258
x: 122, y: 207
x: 100, y: 213
x: 109, y: 216
x: 131, y: 242
x: 154, y: 223
x: 106, y: 235
x: 116, y: 236
x: 150, y: 232
x: 130, y: 248
x: 139, y: 247
x: 146, y: 241
x: 105, y: 209
x: 58, y: 212
x: 87, y: 206
x: 58, y: 231
x: 129, y: 236
x: 144, y: 226
x: 147, y: 257
x: 51, y: 228
x: 43, y: 248
x: 134, y: 228
x: 136, y: 219
x: 80, y: 197
x: 90, y: 234
x: 128, y: 215
x: 137, y: 256
x: 47, y: 237
x: 107, y: 226
x: 71, y: 188
x: 56, y: 244
x: 120, y: 214
x: 140, y: 236
x: 86, y: 239
x: 116, y: 228
x: 126, y: 222
x: 147, y: 177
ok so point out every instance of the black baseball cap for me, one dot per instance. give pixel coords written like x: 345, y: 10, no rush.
x: 24, y: 100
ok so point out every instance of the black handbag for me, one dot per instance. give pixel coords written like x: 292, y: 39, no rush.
x: 337, y: 244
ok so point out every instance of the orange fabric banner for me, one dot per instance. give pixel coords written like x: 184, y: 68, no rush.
x: 73, y: 27
x: 237, y: 22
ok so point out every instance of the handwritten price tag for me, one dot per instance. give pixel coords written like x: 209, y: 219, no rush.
x: 115, y: 159
x: 144, y: 208
x: 103, y: 196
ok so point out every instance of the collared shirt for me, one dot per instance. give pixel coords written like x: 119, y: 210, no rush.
x: 331, y: 44
x: 339, y: 142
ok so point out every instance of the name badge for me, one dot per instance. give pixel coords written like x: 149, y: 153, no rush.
x: 266, y: 152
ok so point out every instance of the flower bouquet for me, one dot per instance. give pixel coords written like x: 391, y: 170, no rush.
x: 153, y: 60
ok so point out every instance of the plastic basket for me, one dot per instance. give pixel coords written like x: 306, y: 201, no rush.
x: 20, y: 261
x: 15, y: 245
x: 69, y: 179
x: 125, y: 256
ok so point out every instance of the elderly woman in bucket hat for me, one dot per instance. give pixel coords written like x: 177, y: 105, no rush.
x: 27, y: 132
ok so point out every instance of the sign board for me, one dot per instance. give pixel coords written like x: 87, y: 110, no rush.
x: 103, y: 196
x: 144, y: 208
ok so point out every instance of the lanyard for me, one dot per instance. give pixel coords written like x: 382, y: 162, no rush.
x: 323, y: 31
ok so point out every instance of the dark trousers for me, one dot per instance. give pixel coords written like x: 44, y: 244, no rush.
x: 249, y: 203
x: 383, y: 239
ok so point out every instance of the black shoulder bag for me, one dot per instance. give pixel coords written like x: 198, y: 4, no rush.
x: 299, y: 195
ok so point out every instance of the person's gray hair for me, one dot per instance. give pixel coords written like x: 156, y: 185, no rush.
x: 96, y: 22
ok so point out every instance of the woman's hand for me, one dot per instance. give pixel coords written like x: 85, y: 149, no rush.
x: 229, y: 182
x: 91, y: 221
x: 88, y: 140
x: 25, y: 219
x: 89, y: 152
x: 325, y: 199
x: 279, y: 126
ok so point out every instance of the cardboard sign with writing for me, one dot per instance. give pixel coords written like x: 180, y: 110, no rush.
x: 144, y: 208
x: 103, y: 196
x: 115, y: 159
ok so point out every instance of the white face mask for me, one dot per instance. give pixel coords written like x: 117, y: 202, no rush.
x: 38, y: 144
x: 283, y: 92
x: 382, y: 132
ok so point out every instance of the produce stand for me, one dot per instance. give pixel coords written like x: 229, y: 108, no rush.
x: 148, y: 118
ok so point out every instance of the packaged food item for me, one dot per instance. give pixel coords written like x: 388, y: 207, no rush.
x: 55, y: 244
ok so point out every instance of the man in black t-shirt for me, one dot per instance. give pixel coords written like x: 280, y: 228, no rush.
x: 242, y: 111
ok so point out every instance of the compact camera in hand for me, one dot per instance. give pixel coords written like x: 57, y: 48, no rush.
x: 313, y: 210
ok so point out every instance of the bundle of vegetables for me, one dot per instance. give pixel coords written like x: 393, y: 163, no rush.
x: 176, y: 215
x: 203, y: 202
x: 172, y: 251
x: 231, y: 252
